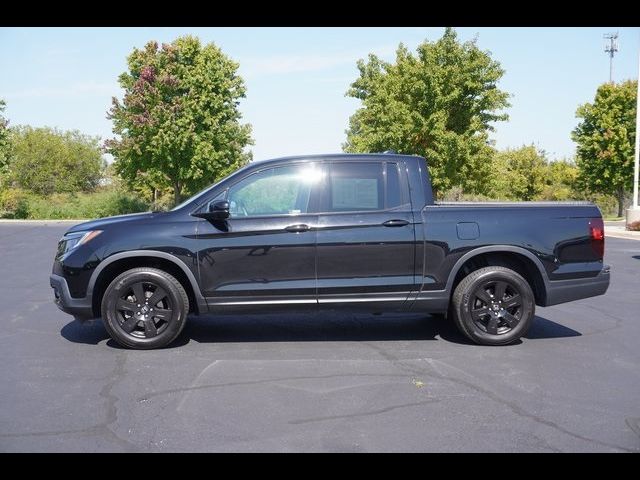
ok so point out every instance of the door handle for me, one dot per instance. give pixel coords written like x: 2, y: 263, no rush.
x: 396, y: 223
x: 300, y: 227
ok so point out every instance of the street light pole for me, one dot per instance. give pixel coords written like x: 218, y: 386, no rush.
x: 633, y: 213
x: 637, y: 151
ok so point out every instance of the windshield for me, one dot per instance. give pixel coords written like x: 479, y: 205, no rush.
x: 195, y: 197
x: 199, y: 197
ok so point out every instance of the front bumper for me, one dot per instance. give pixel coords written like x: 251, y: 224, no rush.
x: 80, y: 308
x: 561, y: 291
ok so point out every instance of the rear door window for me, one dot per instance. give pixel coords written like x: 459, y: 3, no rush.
x: 362, y: 186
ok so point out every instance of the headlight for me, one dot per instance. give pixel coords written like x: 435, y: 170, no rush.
x: 75, y: 239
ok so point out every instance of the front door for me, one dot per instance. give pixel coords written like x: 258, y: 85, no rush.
x: 365, y: 240
x: 265, y: 252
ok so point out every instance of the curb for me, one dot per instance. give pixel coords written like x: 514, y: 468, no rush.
x: 620, y: 232
x: 18, y: 222
x: 627, y: 236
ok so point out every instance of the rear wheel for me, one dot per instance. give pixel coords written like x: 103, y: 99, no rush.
x: 145, y: 308
x: 493, y: 306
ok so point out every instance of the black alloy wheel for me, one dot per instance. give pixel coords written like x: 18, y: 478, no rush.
x: 145, y: 308
x: 496, y: 306
x: 493, y: 306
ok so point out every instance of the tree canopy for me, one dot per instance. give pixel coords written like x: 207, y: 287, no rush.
x: 439, y: 103
x: 520, y: 173
x: 606, y: 138
x: 46, y: 160
x: 179, y: 123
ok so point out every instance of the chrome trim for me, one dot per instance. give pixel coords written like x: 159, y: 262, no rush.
x: 398, y: 298
x: 263, y: 302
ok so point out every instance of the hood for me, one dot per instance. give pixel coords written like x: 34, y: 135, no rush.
x: 101, y: 223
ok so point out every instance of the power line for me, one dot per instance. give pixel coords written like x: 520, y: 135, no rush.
x: 611, y: 47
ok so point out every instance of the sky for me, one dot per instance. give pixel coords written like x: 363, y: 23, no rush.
x: 296, y: 78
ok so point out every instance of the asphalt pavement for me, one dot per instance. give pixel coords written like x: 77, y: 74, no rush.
x: 316, y: 382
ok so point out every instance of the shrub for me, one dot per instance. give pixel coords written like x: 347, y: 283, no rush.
x: 14, y: 203
x: 607, y: 204
x: 46, y: 161
x: 456, y: 194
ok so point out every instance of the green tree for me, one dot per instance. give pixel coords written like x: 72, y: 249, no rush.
x: 179, y: 123
x: 560, y: 181
x: 520, y: 173
x: 4, y: 141
x: 439, y: 103
x: 46, y: 161
x: 605, y: 138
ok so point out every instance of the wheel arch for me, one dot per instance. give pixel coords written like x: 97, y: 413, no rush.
x: 118, y: 263
x: 517, y: 258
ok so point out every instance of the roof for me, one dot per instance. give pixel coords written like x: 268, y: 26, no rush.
x: 329, y: 156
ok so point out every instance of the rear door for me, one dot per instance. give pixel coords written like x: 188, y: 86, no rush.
x: 365, y: 238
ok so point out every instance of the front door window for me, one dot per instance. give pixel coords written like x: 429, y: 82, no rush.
x: 274, y: 191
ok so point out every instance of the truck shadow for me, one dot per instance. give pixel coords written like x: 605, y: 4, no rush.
x: 314, y: 328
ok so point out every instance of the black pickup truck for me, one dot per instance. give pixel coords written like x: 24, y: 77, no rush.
x: 359, y: 232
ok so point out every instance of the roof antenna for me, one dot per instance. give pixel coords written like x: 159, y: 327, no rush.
x: 390, y: 151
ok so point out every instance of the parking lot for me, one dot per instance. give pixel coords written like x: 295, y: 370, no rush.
x: 316, y: 382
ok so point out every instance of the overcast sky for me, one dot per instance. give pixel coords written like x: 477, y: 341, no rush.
x: 296, y: 77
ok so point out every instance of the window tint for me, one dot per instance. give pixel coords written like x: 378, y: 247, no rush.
x: 394, y: 193
x: 355, y: 187
x: 275, y: 191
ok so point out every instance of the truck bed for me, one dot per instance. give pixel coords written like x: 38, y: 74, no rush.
x: 505, y: 204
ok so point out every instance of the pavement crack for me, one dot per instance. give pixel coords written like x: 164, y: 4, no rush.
x: 516, y: 409
x: 634, y: 425
x: 362, y: 414
x: 111, y: 412
x: 618, y: 322
x: 106, y: 390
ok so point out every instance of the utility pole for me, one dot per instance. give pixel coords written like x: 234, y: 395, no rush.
x: 611, y: 47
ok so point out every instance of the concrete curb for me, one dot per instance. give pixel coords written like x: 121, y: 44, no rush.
x: 43, y: 222
x: 620, y: 232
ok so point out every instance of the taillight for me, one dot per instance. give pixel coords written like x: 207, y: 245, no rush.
x: 596, y: 231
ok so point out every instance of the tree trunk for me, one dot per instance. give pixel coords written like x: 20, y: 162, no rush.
x: 177, y: 189
x: 620, y: 197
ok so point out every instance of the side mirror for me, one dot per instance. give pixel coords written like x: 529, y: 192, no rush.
x: 217, y: 211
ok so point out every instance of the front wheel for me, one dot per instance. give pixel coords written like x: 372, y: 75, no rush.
x: 493, y: 306
x: 145, y: 308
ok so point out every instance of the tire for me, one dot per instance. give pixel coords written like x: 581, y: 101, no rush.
x: 486, y: 319
x: 124, y: 314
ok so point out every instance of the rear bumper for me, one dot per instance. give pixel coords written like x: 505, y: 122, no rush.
x: 80, y: 308
x: 561, y: 291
